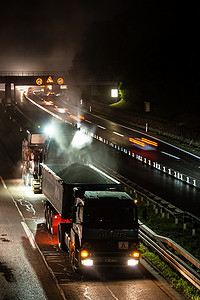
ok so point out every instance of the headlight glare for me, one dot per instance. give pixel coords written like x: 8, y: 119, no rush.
x: 87, y: 262
x: 132, y: 262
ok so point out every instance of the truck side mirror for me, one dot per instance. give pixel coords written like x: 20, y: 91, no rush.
x: 78, y: 192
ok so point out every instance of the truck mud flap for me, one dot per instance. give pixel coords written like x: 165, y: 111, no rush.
x: 62, y: 228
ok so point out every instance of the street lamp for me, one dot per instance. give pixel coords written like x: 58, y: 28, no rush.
x: 114, y: 93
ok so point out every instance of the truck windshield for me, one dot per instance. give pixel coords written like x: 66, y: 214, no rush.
x: 110, y: 213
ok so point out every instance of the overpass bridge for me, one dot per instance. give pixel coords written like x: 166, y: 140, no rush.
x: 30, y: 78
x: 89, y: 89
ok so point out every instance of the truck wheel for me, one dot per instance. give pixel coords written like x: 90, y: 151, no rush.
x: 45, y: 214
x: 75, y: 255
x: 48, y: 218
x: 61, y: 236
x: 51, y: 223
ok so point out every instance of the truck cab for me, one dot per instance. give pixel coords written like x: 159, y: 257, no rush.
x: 32, y: 152
x: 104, y: 230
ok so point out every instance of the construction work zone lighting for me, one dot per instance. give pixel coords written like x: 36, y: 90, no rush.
x: 149, y: 142
x: 49, y: 130
x: 136, y: 142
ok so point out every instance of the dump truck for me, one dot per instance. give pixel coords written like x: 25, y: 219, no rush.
x: 95, y: 220
x: 32, y: 156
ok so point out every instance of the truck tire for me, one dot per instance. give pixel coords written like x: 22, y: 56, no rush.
x: 75, y: 255
x: 52, y: 227
x: 62, y: 228
x: 45, y: 214
x: 48, y: 217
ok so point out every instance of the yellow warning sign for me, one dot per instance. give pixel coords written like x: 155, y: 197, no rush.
x: 39, y: 81
x: 60, y: 81
x: 50, y: 80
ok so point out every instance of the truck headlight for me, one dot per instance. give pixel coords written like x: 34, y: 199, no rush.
x: 87, y: 262
x: 132, y: 262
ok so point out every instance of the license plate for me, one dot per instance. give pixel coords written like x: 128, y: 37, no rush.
x: 111, y: 260
x: 122, y: 245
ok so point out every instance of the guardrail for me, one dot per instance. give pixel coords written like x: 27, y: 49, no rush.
x: 154, y: 164
x: 159, y: 204
x: 158, y: 243
x: 185, y: 263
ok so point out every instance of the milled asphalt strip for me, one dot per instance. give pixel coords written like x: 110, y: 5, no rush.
x: 32, y: 239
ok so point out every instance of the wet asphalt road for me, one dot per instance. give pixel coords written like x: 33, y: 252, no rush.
x: 172, y: 190
x: 28, y: 271
x: 108, y: 284
x: 23, y: 274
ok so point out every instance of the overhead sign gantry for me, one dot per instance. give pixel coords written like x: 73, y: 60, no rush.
x: 49, y: 80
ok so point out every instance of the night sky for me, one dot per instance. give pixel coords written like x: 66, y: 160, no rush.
x: 44, y: 35
x: 150, y: 46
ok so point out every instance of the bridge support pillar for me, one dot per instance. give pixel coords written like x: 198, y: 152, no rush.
x: 8, y: 92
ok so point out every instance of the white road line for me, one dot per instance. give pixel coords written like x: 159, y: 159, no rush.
x: 170, y: 155
x: 101, y: 127
x: 29, y: 206
x: 29, y: 235
x: 86, y: 294
x: 117, y: 133
x: 26, y: 229
x: 3, y: 182
x: 113, y: 295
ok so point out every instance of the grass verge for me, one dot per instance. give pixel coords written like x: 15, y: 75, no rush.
x: 177, y: 281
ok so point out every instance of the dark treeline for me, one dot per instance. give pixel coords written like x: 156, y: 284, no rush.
x: 152, y: 48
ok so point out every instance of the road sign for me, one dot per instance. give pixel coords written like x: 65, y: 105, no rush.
x: 60, y: 81
x: 49, y: 80
x: 39, y: 81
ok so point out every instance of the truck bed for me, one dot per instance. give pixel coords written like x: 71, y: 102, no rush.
x: 58, y: 186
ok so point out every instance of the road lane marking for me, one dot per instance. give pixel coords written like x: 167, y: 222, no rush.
x: 88, y: 121
x: 3, y: 182
x: 29, y: 235
x: 113, y: 295
x: 26, y: 229
x: 176, y: 157
x: 28, y: 205
x: 86, y: 294
x: 117, y: 133
x: 101, y: 127
x: 35, y: 246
